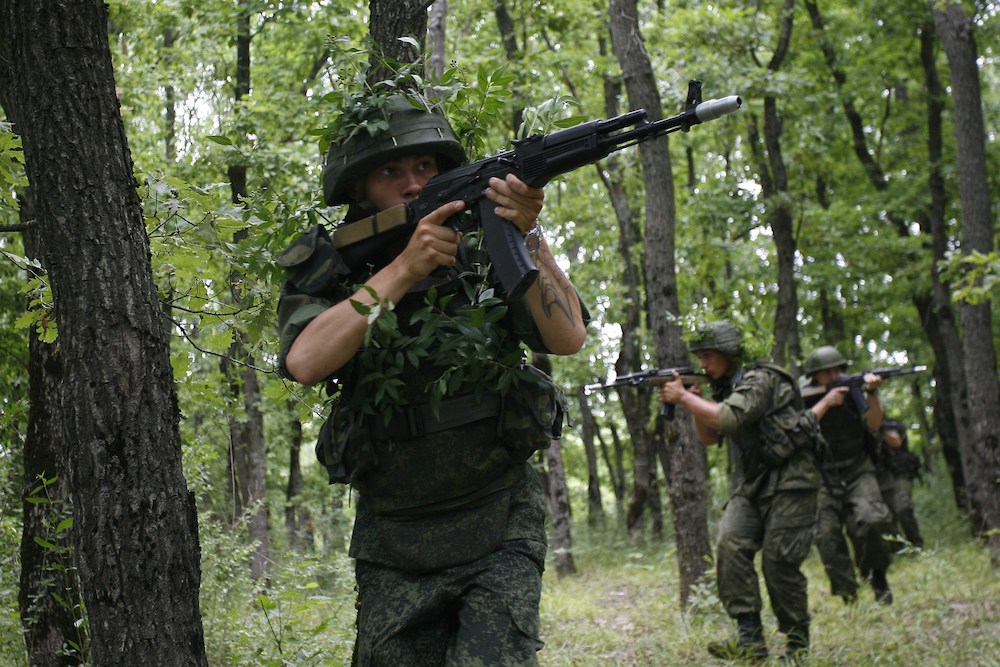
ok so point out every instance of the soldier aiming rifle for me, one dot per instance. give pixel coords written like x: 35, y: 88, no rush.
x: 856, y: 384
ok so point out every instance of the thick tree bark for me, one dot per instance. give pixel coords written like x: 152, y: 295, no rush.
x: 774, y: 185
x: 388, y: 21
x: 688, y: 466
x: 982, y: 464
x: 135, y: 525
x: 436, y: 34
x: 51, y: 634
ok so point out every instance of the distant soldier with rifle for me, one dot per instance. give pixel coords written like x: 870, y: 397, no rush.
x: 449, y: 537
x: 897, y: 468
x: 774, y: 480
x: 850, y: 501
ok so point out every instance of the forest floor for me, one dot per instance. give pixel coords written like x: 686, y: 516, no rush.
x: 622, y: 608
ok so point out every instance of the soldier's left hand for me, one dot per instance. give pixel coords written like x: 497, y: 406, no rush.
x: 872, y: 382
x: 516, y: 201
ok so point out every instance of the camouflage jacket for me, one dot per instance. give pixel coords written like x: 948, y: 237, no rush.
x: 454, y: 485
x: 773, y: 440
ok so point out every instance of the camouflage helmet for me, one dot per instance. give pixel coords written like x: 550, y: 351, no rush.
x: 411, y: 130
x: 722, y: 336
x: 824, y: 357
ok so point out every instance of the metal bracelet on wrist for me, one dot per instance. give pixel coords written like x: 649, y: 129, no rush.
x: 533, y: 239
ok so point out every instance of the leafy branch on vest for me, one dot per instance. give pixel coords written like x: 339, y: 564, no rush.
x: 461, y: 344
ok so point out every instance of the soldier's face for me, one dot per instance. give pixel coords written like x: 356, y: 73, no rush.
x: 399, y: 181
x: 715, y: 364
x: 826, y: 376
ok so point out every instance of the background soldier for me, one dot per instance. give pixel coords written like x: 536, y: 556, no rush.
x: 850, y: 499
x: 897, y: 468
x: 773, y: 484
x: 449, y: 535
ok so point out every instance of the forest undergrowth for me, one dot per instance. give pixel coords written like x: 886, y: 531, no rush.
x: 620, y: 608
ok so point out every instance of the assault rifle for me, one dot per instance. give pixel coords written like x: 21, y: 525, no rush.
x: 536, y: 161
x: 856, y: 385
x: 654, y: 378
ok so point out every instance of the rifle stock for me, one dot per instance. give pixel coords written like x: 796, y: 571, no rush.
x: 536, y: 160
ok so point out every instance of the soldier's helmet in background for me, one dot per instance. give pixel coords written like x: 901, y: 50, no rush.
x: 722, y: 336
x: 822, y: 358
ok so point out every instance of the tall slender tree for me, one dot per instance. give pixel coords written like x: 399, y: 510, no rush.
x: 982, y: 463
x: 688, y: 464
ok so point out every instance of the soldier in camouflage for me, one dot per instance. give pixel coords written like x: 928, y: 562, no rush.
x: 449, y: 538
x: 897, y: 467
x: 850, y: 502
x: 774, y: 479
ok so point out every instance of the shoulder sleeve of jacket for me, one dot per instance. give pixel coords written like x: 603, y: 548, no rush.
x: 750, y: 401
x: 314, y: 281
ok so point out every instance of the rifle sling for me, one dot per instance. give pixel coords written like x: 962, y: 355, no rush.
x: 383, y: 221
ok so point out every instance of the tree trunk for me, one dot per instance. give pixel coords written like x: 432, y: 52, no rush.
x: 558, y: 493
x: 387, y: 22
x: 982, y: 465
x: 135, y: 525
x: 436, y: 34
x: 937, y: 317
x: 248, y: 456
x: 588, y: 432
x: 49, y: 596
x: 774, y: 185
x: 937, y: 312
x: 687, y: 483
x: 616, y: 466
x: 298, y: 522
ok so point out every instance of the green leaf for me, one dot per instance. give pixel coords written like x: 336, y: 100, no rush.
x: 45, y: 544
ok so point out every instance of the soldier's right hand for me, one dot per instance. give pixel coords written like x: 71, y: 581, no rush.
x: 432, y: 243
x: 836, y: 396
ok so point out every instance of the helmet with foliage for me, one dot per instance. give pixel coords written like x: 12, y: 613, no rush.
x: 822, y: 358
x: 402, y: 129
x: 722, y: 336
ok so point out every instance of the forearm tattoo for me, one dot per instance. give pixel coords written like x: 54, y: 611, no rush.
x: 555, y: 294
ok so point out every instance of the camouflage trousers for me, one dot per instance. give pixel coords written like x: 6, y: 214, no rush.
x: 897, y: 492
x: 781, y: 528
x: 480, y: 614
x: 853, y: 506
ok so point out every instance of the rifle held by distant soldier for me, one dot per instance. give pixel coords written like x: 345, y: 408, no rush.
x: 654, y: 378
x: 856, y: 385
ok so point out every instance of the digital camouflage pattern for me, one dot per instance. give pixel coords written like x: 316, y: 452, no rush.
x: 496, y: 599
x: 446, y: 519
